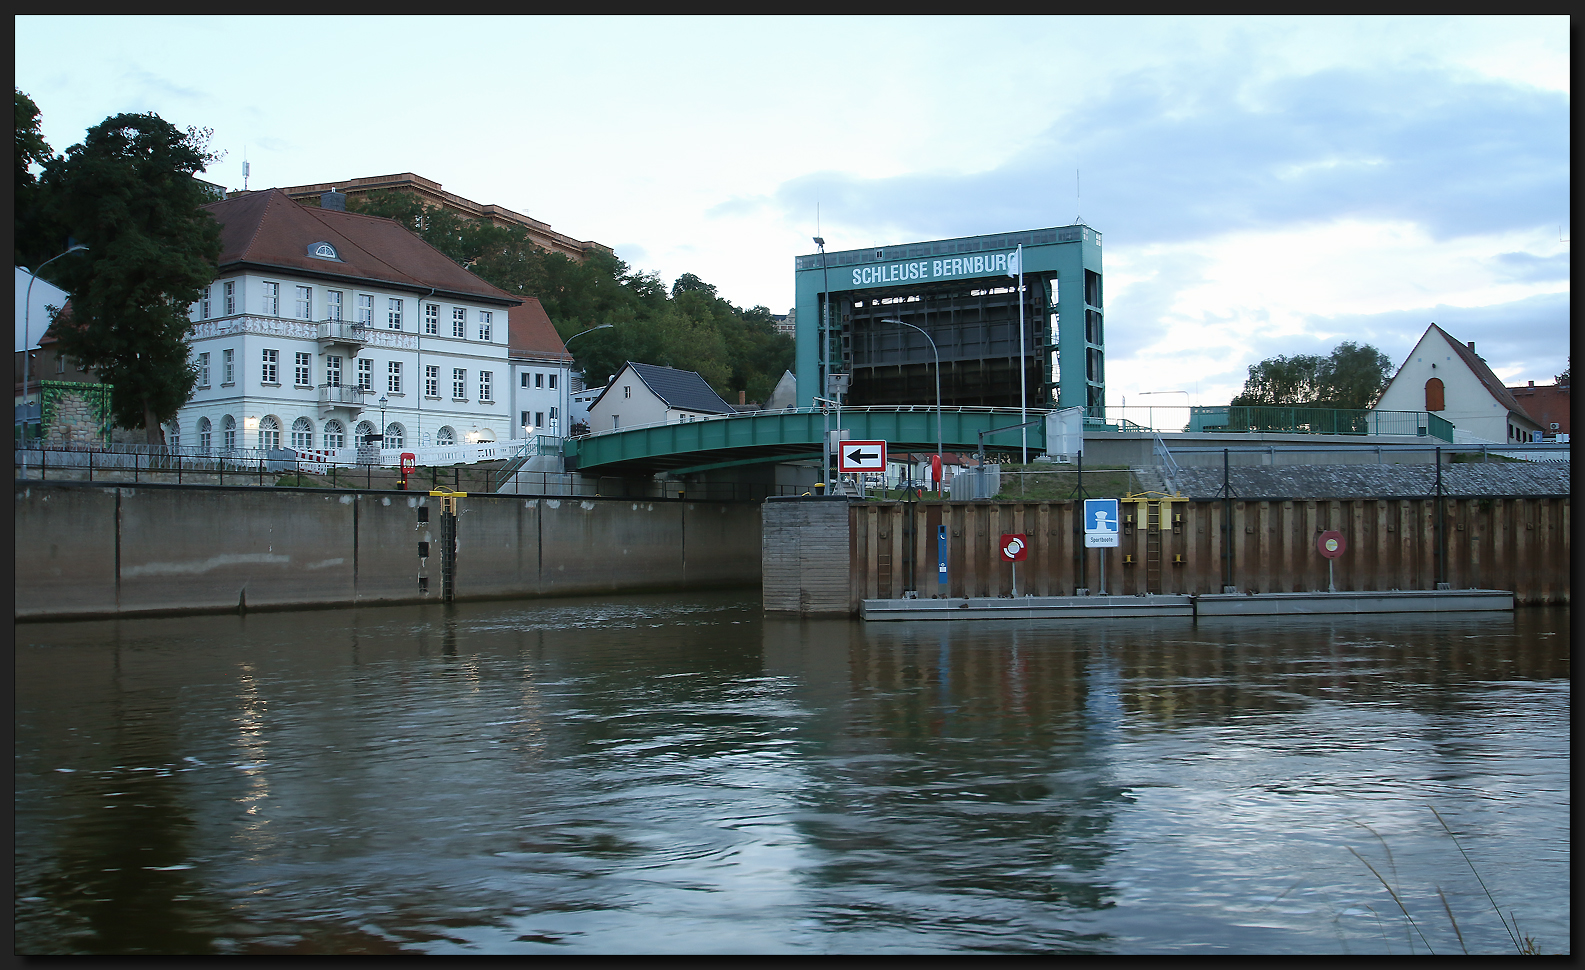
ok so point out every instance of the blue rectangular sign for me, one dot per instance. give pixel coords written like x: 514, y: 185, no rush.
x: 1100, y: 523
x: 941, y: 554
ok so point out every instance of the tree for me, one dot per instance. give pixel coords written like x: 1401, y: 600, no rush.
x: 1562, y: 379
x: 37, y: 235
x: 1352, y: 377
x: 129, y: 191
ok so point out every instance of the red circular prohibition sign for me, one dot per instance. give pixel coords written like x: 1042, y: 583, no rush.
x: 1331, y: 544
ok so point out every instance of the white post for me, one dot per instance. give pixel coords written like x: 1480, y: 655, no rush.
x: 1023, y: 370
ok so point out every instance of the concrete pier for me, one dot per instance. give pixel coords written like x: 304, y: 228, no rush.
x: 1204, y: 604
x: 1354, y: 601
x: 1028, y: 607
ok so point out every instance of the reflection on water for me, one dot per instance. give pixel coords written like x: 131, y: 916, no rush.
x: 649, y: 775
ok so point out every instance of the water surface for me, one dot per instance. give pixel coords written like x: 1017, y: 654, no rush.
x: 662, y: 775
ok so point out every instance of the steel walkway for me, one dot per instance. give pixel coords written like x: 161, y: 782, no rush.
x: 793, y: 434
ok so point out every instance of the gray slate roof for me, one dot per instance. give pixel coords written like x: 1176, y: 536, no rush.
x: 683, y: 389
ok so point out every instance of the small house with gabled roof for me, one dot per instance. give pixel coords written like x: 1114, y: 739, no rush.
x: 650, y: 394
x: 1445, y: 377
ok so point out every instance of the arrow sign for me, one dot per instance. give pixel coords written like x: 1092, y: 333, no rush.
x: 862, y: 456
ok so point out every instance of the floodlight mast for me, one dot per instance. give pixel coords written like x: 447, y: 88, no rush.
x: 940, y: 459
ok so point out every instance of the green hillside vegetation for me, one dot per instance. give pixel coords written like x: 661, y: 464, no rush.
x: 687, y: 327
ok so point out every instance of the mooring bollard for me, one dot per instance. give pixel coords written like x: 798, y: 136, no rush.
x: 448, y: 541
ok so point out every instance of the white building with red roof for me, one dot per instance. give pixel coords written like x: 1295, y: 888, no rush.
x: 323, y: 326
x: 1445, y: 377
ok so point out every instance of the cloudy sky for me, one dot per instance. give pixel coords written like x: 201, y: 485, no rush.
x: 1265, y: 186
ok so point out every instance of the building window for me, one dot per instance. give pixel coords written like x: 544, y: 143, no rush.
x: 627, y: 390
x: 305, y: 302
x: 228, y: 432
x: 203, y: 370
x: 206, y: 435
x: 333, y: 305
x: 552, y: 382
x: 432, y: 319
x: 445, y: 436
x: 395, y: 434
x: 332, y: 371
x: 1435, y: 399
x: 173, y: 436
x: 431, y: 380
x: 302, y: 434
x: 485, y: 316
x: 459, y: 384
x: 393, y: 379
x: 272, y: 299
x: 539, y: 419
x: 269, y: 432
x: 539, y: 380
x: 525, y: 424
x: 228, y: 366
x: 335, y: 435
x: 393, y: 314
x: 272, y: 363
x: 365, y: 374
x: 484, y: 385
x: 365, y: 309
x: 300, y: 371
x: 203, y: 305
x: 524, y: 378
x: 230, y: 291
x: 459, y: 322
x: 616, y: 421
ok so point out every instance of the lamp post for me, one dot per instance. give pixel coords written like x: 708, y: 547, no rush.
x: 383, y: 401
x: 27, y: 345
x: 825, y: 347
x: 939, y: 458
x: 1151, y: 418
x: 566, y: 396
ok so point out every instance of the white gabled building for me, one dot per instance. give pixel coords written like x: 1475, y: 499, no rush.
x: 1446, y: 378
x: 651, y: 394
x: 324, y: 325
x: 541, y: 369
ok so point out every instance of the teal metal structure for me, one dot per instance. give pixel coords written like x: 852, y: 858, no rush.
x: 778, y: 436
x: 1062, y: 274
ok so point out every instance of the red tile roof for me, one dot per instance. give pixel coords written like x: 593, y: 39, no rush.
x: 531, y: 334
x: 1547, y: 404
x: 269, y: 230
x: 1478, y: 367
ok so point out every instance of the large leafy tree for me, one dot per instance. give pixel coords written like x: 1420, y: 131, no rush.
x: 1352, y: 377
x: 689, y: 327
x: 129, y: 192
x: 37, y: 235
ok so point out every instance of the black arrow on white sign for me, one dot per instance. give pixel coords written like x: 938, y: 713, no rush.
x: 858, y: 455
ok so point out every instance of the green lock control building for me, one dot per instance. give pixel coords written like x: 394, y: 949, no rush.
x: 959, y: 292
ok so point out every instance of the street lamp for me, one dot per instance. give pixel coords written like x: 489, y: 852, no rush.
x: 566, y: 388
x: 939, y: 458
x: 825, y: 349
x: 27, y: 344
x: 383, y: 401
x: 1150, y: 417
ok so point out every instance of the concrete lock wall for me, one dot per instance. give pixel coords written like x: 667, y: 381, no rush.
x: 1518, y: 544
x: 86, y: 550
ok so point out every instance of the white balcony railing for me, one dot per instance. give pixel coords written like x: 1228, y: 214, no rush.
x: 341, y: 395
x: 342, y: 332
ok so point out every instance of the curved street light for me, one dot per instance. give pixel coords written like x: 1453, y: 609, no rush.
x: 27, y: 348
x: 940, y: 459
x: 566, y: 386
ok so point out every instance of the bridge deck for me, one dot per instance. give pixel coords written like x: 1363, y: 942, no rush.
x: 764, y: 436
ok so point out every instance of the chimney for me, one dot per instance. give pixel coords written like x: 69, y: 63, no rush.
x: 338, y: 201
x: 743, y: 399
x: 1532, y: 383
x: 1472, y: 346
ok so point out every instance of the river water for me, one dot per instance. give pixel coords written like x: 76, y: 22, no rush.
x: 655, y: 774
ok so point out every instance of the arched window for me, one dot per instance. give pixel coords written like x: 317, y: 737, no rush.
x: 394, y: 434
x: 335, y: 435
x: 269, y: 432
x: 1434, y: 400
x: 446, y: 436
x: 173, y: 434
x: 302, y: 434
x: 363, y: 430
x: 206, y: 435
x: 228, y: 430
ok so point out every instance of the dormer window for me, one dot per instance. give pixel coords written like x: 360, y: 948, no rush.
x: 323, y: 250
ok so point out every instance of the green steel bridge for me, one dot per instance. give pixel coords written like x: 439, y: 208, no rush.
x: 793, y: 434
x: 796, y: 433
